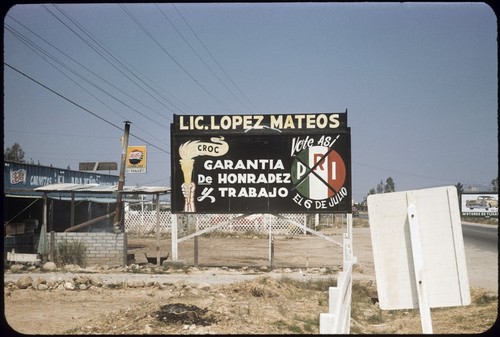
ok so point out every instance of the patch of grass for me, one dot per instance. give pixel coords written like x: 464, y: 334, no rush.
x: 70, y: 252
x: 310, y: 323
x: 360, y: 223
x: 295, y: 329
x: 73, y: 331
x: 360, y: 300
x: 282, y: 310
x: 147, y: 236
x: 376, y: 318
x: 280, y: 324
x: 356, y: 330
x: 257, y: 292
x: 367, y: 317
x: 316, y: 285
x: 235, y: 234
x: 482, y: 298
x: 264, y: 280
x: 486, y: 221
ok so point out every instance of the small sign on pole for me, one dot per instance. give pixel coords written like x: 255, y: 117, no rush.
x: 418, y: 250
x: 136, y: 159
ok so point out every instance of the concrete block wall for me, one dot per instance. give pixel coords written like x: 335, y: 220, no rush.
x: 101, y: 248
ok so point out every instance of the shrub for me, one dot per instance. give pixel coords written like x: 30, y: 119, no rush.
x: 70, y: 252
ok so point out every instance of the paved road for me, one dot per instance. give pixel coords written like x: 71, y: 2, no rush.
x: 481, y: 252
x: 482, y: 236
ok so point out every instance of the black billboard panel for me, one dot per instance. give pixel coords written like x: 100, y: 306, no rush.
x: 266, y: 170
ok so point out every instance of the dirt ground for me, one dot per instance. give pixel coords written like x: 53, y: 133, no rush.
x: 239, y: 250
x: 244, y: 296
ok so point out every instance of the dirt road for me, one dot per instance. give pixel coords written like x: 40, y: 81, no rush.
x: 248, y: 298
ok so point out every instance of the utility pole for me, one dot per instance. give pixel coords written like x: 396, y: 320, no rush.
x: 121, y: 181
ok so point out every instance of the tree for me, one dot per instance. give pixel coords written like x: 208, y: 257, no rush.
x: 389, y: 185
x: 494, y: 184
x: 460, y: 188
x: 14, y: 153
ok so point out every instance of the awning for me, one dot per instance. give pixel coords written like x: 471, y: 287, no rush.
x: 23, y: 196
x: 101, y: 200
x: 94, y: 198
x: 97, y: 188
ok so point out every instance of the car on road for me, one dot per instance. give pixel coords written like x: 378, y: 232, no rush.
x: 482, y: 201
x: 355, y: 212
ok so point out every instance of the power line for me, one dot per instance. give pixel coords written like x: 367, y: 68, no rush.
x: 201, y: 58
x: 120, y: 61
x: 213, y: 58
x: 57, y: 134
x: 63, y: 97
x: 172, y: 58
x: 106, y: 51
x: 415, y: 175
x: 36, y: 48
x: 86, y: 68
x: 81, y: 107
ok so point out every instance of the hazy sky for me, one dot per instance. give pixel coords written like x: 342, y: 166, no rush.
x: 419, y: 81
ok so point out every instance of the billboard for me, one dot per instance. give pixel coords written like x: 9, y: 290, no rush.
x: 136, y: 159
x: 287, y: 163
x: 480, y: 204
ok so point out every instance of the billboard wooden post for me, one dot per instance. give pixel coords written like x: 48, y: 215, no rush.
x: 271, y: 241
x: 196, y: 251
x: 121, y: 181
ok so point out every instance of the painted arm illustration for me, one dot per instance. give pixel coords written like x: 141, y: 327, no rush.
x: 188, y: 151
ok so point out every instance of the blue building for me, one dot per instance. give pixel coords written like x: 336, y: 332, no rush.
x: 23, y: 206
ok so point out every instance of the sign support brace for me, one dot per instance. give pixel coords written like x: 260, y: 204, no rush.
x: 418, y: 265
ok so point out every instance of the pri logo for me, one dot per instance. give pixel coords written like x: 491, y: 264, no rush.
x: 318, y: 172
x: 17, y: 177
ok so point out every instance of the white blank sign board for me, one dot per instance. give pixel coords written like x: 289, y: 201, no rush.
x: 442, y: 248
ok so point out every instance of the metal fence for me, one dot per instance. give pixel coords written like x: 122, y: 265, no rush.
x: 145, y: 222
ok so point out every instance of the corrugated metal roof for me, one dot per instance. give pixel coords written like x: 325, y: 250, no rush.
x: 100, y: 200
x: 146, y: 189
x: 96, y: 188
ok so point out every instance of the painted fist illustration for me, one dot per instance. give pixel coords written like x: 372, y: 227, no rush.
x: 188, y: 192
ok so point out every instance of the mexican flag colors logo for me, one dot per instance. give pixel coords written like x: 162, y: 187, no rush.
x: 318, y: 172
